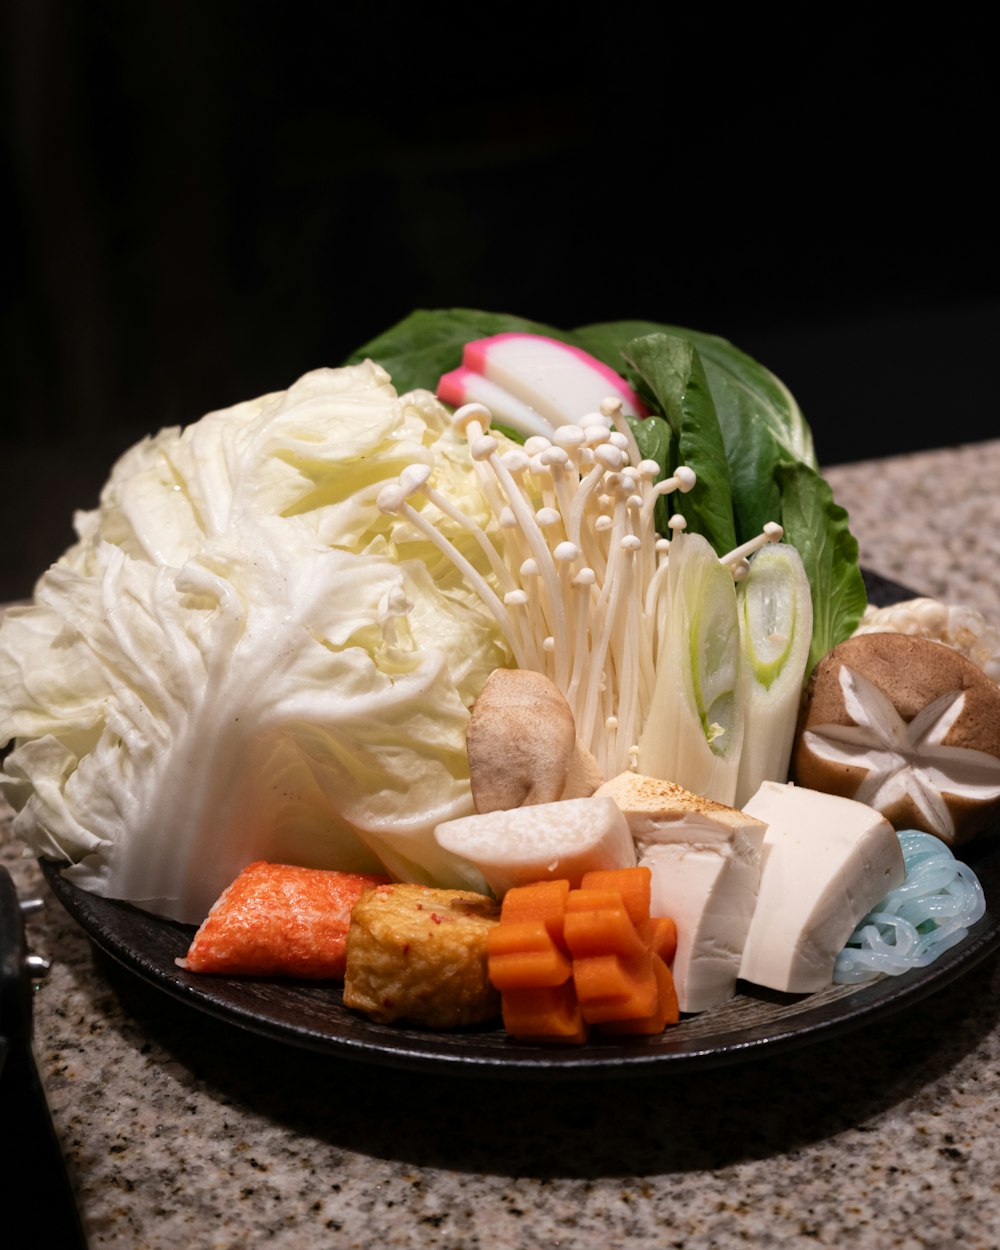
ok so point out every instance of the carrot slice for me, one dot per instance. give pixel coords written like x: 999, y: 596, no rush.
x: 522, y: 954
x: 550, y: 1014
x: 567, y: 959
x: 635, y: 885
x: 610, y: 987
x: 597, y: 923
x: 662, y: 937
x: 542, y: 900
x: 667, y: 1008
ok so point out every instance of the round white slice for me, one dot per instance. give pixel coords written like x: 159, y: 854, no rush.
x: 546, y: 841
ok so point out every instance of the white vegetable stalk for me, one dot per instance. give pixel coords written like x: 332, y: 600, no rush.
x: 776, y: 619
x: 234, y: 662
x: 694, y: 731
x: 572, y: 559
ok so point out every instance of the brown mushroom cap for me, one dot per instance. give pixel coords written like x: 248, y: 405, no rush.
x: 522, y: 744
x: 912, y: 673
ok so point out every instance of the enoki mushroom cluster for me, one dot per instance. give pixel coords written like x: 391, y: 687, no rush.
x: 577, y: 570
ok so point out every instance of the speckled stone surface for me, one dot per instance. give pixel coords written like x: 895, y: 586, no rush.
x: 180, y: 1130
x: 930, y: 520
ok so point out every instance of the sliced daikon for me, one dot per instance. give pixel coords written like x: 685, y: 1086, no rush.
x: 545, y: 841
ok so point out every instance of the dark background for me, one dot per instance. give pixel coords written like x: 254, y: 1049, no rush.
x: 204, y: 200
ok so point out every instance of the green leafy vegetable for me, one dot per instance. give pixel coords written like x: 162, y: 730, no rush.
x: 767, y: 444
x: 817, y: 527
x: 655, y: 440
x: 424, y: 345
x: 674, y: 380
x: 745, y: 392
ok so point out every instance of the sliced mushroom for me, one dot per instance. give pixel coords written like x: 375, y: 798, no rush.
x: 908, y: 726
x: 522, y: 744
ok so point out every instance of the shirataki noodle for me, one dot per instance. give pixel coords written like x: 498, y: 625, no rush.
x: 929, y: 913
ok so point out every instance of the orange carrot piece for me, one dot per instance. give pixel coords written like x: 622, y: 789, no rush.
x: 522, y: 954
x: 618, y: 961
x: 662, y: 937
x: 610, y: 987
x: 280, y: 920
x: 635, y: 886
x: 549, y: 1014
x: 541, y: 900
x: 667, y: 1008
x: 598, y: 923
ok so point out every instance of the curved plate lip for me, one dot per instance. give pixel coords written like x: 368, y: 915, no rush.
x: 312, y: 1015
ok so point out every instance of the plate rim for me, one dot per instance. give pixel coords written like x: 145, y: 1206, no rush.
x: 227, y: 998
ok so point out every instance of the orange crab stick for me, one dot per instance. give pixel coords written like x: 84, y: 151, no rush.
x: 280, y: 920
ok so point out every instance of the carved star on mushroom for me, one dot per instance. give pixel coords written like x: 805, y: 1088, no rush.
x: 906, y: 758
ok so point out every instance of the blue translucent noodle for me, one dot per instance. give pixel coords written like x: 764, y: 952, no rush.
x: 914, y: 924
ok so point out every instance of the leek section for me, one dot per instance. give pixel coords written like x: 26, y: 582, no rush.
x: 694, y: 731
x: 776, y: 625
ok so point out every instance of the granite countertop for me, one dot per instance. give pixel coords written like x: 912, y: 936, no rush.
x: 181, y: 1130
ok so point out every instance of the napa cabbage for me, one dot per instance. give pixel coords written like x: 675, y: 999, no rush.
x: 241, y: 657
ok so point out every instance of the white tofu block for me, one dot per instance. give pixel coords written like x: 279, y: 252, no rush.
x: 827, y: 861
x: 704, y: 858
x: 710, y: 890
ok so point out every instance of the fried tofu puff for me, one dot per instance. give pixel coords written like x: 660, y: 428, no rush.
x: 417, y: 955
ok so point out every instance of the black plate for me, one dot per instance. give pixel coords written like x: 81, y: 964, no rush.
x: 756, y: 1021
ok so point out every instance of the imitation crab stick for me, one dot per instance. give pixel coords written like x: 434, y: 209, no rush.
x: 280, y: 920
x: 566, y: 960
x: 534, y: 383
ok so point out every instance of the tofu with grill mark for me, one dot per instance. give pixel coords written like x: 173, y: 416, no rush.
x: 705, y: 863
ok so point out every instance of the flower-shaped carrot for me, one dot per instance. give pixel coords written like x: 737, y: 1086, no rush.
x: 568, y: 960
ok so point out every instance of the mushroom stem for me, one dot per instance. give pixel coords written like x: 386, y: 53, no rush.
x: 771, y: 533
